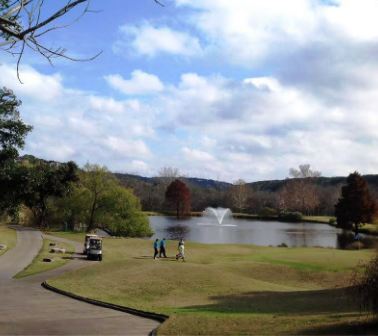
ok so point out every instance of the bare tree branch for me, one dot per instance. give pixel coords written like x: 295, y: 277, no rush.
x: 21, y: 24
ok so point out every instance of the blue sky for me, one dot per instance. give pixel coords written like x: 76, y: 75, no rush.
x: 219, y: 89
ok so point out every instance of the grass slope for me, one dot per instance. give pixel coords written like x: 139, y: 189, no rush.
x: 226, y: 289
x: 38, y: 266
x: 8, y: 237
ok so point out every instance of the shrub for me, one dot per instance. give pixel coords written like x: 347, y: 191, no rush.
x: 290, y: 216
x: 267, y: 212
x: 367, y: 286
x: 332, y: 221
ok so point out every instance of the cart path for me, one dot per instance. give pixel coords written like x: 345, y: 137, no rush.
x: 28, y: 309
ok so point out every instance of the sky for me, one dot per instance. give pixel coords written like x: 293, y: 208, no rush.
x: 216, y: 88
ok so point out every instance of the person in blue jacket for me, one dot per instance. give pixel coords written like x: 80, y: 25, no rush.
x: 163, y: 245
x: 156, y: 248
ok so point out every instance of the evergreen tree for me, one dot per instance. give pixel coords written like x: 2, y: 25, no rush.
x: 356, y: 206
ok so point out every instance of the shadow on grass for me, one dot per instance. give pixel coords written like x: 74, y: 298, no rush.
x: 74, y: 256
x: 160, y: 259
x: 369, y: 327
x: 329, y: 301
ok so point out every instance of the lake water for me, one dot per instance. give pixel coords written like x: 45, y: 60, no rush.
x: 263, y: 233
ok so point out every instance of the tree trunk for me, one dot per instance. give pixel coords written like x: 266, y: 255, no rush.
x: 356, y: 228
x: 91, y: 217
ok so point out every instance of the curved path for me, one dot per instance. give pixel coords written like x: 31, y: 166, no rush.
x: 28, y: 309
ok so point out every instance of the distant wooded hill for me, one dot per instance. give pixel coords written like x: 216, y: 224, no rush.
x: 315, y: 196
x: 268, y: 185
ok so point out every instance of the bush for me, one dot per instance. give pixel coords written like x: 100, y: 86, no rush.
x: 124, y: 216
x: 367, y: 286
x: 290, y: 216
x: 267, y: 212
x: 332, y: 221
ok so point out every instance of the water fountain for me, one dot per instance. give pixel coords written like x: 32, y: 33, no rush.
x: 217, y: 217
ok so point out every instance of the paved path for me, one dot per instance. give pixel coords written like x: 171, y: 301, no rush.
x: 28, y: 309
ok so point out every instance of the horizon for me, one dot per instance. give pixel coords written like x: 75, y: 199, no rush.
x: 219, y: 90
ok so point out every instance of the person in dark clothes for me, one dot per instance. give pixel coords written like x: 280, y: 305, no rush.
x: 156, y: 248
x: 163, y: 245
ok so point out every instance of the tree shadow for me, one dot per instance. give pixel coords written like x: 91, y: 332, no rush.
x: 328, y: 301
x: 160, y: 259
x: 367, y: 327
x: 74, y: 256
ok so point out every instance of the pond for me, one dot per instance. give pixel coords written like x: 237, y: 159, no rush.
x: 257, y: 232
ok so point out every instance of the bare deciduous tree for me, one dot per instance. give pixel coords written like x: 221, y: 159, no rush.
x: 24, y: 23
x: 239, y: 195
x: 304, y: 171
x: 299, y: 195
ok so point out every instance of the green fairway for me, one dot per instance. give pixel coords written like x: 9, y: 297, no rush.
x: 225, y: 289
x: 8, y: 237
x: 38, y: 266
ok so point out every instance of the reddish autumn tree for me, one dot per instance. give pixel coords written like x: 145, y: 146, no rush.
x: 356, y: 206
x: 177, y: 196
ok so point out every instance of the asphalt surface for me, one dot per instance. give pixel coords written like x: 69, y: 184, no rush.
x: 28, y: 309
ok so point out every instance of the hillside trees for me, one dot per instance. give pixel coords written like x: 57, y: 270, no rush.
x: 177, y: 196
x: 355, y: 206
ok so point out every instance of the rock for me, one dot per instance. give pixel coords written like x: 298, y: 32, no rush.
x: 3, y: 247
x: 47, y: 260
x: 58, y: 250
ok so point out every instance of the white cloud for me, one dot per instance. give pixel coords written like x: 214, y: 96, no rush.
x: 139, y: 167
x: 127, y: 148
x: 196, y: 155
x: 35, y: 85
x: 253, y: 32
x: 148, y: 40
x: 139, y: 83
x: 107, y: 105
x: 77, y: 125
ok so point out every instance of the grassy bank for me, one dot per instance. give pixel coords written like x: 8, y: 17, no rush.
x: 8, y: 237
x: 226, y: 289
x: 38, y: 266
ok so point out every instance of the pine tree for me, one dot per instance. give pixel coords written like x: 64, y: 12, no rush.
x: 356, y: 206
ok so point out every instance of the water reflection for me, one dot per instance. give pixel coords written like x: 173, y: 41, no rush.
x: 263, y: 233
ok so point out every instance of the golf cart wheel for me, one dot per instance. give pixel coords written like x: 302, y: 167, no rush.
x: 100, y: 257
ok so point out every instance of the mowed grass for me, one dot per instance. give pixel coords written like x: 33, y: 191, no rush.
x: 8, y: 237
x: 38, y: 266
x: 226, y: 289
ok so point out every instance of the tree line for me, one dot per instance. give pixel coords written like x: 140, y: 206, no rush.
x: 350, y: 201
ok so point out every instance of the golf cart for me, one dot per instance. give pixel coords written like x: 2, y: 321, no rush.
x: 94, y: 250
x: 86, y: 241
